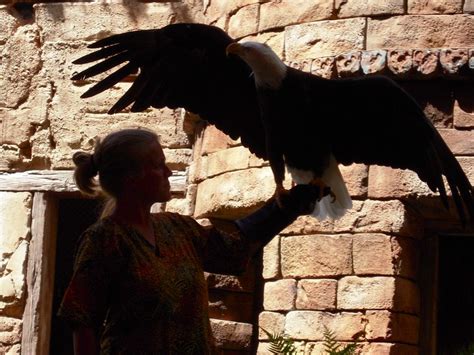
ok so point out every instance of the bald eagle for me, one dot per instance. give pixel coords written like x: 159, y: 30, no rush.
x: 280, y: 114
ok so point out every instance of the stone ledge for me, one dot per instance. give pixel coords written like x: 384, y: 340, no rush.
x: 232, y: 335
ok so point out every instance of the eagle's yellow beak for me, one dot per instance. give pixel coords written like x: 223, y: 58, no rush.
x: 234, y: 48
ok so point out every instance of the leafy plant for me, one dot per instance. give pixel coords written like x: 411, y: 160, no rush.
x: 333, y: 348
x: 280, y: 343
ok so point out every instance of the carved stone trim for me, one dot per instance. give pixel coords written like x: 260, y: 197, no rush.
x: 454, y: 63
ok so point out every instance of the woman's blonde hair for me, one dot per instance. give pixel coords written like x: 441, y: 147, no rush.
x: 119, y: 155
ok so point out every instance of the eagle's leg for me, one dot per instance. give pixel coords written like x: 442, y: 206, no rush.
x: 279, y: 192
x: 322, y: 187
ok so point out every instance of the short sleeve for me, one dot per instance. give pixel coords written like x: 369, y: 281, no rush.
x: 221, y: 246
x: 98, y: 260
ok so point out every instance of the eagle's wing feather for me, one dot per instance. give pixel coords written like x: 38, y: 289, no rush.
x: 181, y: 65
x: 380, y: 123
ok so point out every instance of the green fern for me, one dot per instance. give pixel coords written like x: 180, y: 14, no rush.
x: 280, y: 344
x: 333, y: 348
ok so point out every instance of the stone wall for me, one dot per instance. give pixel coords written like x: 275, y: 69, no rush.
x: 357, y: 276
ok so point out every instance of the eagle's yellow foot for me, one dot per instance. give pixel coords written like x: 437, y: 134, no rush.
x: 279, y: 192
x: 322, y: 187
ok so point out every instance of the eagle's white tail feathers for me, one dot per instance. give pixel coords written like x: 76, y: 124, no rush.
x: 332, y: 177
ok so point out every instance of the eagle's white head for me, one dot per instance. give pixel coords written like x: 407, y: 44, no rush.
x: 268, y: 69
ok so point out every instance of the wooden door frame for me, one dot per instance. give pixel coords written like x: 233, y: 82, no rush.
x: 40, y: 275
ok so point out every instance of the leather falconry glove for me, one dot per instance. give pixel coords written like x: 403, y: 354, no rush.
x: 269, y: 220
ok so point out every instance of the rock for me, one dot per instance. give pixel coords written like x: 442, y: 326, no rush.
x: 434, y: 6
x: 400, y: 61
x: 316, y: 256
x: 288, y: 12
x: 324, y: 38
x: 279, y: 295
x: 316, y: 294
x: 356, y: 8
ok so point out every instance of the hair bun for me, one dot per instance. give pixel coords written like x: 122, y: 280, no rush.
x: 85, y: 160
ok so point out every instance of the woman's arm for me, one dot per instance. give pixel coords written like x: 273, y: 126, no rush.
x: 86, y: 341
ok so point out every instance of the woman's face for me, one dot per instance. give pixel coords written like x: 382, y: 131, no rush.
x: 153, y: 183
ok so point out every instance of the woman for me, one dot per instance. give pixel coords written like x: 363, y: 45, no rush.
x: 138, y: 285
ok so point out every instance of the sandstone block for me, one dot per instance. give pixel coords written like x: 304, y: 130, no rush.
x: 8, y: 25
x: 400, y: 61
x: 244, y: 283
x: 92, y: 21
x: 405, y: 257
x: 244, y: 22
x: 453, y: 60
x: 231, y: 335
x: 231, y: 159
x: 348, y: 64
x: 394, y: 327
x: 460, y: 142
x: 368, y: 217
x: 14, y: 350
x: 355, y: 177
x: 434, y: 7
x: 372, y: 254
x: 271, y: 259
x: 463, y: 112
x: 377, y: 293
x: 81, y: 130
x: 316, y: 256
x: 368, y: 8
x: 178, y: 159
x: 234, y: 194
x: 366, y: 293
x: 316, y: 294
x: 10, y: 330
x: 274, y: 39
x: 324, y: 67
x: 467, y: 164
x: 9, y: 155
x: 415, y: 31
x: 20, y: 63
x: 178, y: 205
x: 386, y: 182
x: 324, y: 38
x: 389, y: 349
x: 373, y: 62
x: 469, y: 6
x: 15, y: 209
x: 309, y: 325
x: 279, y: 295
x: 217, y: 10
x: 15, y: 269
x: 214, y: 140
x: 232, y: 306
x: 287, y: 12
x: 15, y: 126
x: 272, y: 322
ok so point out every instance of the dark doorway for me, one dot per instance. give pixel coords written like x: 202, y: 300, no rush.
x: 74, y: 216
x: 455, y: 331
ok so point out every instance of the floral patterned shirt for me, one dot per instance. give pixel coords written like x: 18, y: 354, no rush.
x: 147, y: 300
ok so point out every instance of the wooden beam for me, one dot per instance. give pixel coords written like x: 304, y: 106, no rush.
x: 40, y: 275
x: 62, y: 181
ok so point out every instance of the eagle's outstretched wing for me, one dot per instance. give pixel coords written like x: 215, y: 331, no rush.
x: 380, y: 123
x: 181, y: 65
